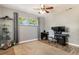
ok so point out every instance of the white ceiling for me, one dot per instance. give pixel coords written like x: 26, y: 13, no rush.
x: 30, y: 8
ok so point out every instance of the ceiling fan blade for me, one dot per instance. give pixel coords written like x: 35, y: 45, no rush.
x: 49, y: 7
x: 6, y: 17
x: 46, y: 11
x: 2, y: 18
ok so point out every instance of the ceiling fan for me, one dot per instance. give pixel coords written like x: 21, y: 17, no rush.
x: 44, y: 8
x: 6, y: 17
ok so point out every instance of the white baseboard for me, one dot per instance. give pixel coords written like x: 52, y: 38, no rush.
x: 28, y: 41
x: 76, y: 45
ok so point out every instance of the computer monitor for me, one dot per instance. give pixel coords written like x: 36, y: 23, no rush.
x: 59, y: 28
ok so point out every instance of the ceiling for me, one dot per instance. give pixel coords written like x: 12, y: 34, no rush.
x: 30, y: 8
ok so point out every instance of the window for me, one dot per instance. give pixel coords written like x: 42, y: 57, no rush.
x: 29, y: 21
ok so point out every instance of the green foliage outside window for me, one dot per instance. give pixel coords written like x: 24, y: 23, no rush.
x: 30, y: 21
x: 33, y: 21
x: 21, y: 19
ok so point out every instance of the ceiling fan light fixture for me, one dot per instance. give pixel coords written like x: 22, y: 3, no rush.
x: 42, y: 12
x: 44, y: 8
x: 41, y: 5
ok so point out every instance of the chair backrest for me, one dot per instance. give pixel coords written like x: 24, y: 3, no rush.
x: 51, y: 33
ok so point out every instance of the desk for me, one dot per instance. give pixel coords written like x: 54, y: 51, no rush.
x: 44, y: 35
x: 62, y: 38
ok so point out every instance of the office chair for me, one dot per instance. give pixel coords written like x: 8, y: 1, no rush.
x: 51, y: 36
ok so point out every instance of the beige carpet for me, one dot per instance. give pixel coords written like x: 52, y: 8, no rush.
x: 37, y: 48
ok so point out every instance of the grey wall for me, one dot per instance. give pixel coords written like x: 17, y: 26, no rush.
x: 25, y: 32
x: 69, y: 19
x: 0, y: 11
x: 42, y: 24
x: 41, y: 27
